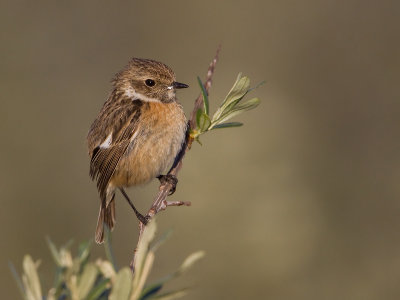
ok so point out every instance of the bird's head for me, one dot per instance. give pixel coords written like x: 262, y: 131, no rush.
x: 148, y: 80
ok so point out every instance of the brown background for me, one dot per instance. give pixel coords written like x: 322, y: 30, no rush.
x: 300, y: 203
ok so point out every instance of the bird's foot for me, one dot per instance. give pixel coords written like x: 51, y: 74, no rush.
x: 171, y: 179
x: 143, y: 219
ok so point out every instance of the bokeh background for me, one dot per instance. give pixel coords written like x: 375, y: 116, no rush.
x: 300, y: 203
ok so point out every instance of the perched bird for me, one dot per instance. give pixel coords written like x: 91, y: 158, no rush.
x: 137, y: 135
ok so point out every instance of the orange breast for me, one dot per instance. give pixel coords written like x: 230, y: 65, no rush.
x: 160, y: 134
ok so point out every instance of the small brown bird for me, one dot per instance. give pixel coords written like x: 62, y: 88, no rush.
x: 137, y: 135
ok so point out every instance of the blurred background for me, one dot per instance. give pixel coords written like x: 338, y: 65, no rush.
x: 300, y: 203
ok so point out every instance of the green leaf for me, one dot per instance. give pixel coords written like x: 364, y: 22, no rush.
x: 84, y: 251
x: 228, y: 116
x: 122, y: 286
x: 58, y: 283
x: 108, y: 249
x: 199, y: 112
x: 150, y: 290
x: 99, y: 289
x: 17, y: 279
x: 227, y: 125
x: 204, y: 122
x: 248, y: 105
x: 189, y: 261
x: 54, y: 252
x: 142, y: 278
x: 31, y: 278
x: 106, y: 268
x: 161, y: 240
x: 86, y: 280
x: 197, y: 139
x: 237, y: 92
x: 143, y: 250
x: 257, y: 86
x: 205, y: 96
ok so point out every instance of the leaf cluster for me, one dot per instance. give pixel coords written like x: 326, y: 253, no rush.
x: 230, y: 107
x: 79, y: 278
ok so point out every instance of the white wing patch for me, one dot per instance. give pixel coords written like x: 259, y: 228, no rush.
x: 134, y: 135
x: 107, y: 142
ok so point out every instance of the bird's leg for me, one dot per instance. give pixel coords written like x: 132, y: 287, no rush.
x: 169, y: 179
x: 143, y: 219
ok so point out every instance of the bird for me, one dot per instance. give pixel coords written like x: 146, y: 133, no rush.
x: 137, y: 135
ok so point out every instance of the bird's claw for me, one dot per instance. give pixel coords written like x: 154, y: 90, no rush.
x: 171, y: 179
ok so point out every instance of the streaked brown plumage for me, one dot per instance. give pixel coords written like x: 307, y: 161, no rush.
x: 137, y: 134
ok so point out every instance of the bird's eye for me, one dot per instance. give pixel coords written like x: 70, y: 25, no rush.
x: 149, y: 82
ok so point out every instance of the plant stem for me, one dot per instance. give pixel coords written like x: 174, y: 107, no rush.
x: 160, y: 202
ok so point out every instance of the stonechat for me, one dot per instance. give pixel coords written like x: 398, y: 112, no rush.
x: 137, y: 135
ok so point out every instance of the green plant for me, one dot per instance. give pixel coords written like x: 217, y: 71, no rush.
x: 230, y: 107
x: 79, y: 278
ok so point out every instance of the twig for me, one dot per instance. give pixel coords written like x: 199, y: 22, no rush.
x: 160, y: 202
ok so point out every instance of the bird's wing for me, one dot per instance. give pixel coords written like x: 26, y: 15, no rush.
x: 107, y: 154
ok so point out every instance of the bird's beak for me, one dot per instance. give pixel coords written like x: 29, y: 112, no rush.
x: 179, y: 85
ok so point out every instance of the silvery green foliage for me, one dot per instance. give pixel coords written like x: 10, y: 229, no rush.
x: 230, y: 107
x: 79, y: 278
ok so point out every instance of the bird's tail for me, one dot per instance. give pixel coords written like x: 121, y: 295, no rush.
x: 106, y: 216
